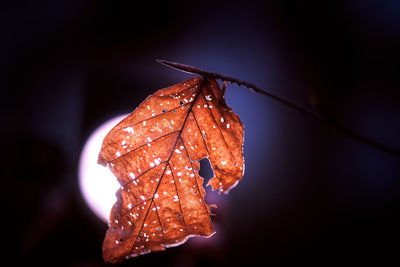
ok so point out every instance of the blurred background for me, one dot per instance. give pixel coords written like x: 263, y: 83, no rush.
x: 310, y: 195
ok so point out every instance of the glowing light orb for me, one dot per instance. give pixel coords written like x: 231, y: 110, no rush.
x: 97, y: 184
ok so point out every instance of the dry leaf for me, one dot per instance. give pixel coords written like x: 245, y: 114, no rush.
x: 154, y: 153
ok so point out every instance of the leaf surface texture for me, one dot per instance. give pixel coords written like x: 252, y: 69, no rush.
x: 154, y: 153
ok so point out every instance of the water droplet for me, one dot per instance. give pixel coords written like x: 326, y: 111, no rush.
x: 129, y: 130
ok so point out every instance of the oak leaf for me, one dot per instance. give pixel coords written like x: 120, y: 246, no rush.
x: 154, y: 153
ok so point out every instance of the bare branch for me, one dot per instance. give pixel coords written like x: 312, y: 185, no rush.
x: 310, y: 112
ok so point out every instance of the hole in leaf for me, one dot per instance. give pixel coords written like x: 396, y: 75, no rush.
x: 206, y: 170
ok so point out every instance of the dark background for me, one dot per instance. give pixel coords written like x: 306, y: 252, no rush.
x: 310, y: 195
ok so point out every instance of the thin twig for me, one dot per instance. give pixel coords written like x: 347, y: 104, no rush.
x: 312, y: 113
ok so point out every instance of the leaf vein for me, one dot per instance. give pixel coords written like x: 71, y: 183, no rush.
x: 145, y: 144
x: 169, y: 158
x: 219, y: 128
x: 179, y: 199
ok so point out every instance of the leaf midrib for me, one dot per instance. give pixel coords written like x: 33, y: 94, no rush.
x: 167, y: 163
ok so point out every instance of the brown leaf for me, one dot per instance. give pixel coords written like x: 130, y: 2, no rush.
x: 154, y: 153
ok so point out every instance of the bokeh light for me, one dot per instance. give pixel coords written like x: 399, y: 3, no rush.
x: 98, y: 185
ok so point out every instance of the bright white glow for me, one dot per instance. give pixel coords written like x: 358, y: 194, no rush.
x: 98, y: 185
